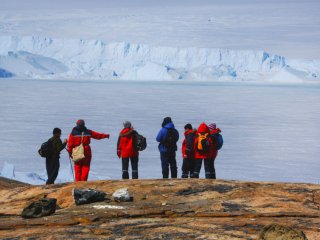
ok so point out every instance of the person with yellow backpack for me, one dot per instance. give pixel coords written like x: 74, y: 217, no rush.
x: 202, y: 148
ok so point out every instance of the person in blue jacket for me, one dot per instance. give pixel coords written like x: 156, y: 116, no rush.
x: 168, y: 137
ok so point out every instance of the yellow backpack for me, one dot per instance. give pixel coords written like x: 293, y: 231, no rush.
x: 203, y: 142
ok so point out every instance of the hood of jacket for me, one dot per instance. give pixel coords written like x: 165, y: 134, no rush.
x: 126, y: 132
x: 203, y: 128
x: 78, y: 130
x: 169, y: 125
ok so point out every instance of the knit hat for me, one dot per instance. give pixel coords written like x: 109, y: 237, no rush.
x: 188, y: 126
x: 127, y: 124
x: 81, y: 123
x: 212, y: 126
x: 56, y: 131
x: 166, y: 120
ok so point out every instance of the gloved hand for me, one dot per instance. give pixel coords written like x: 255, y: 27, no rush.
x: 119, y: 153
x: 108, y: 136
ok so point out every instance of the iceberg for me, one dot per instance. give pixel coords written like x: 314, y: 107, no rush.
x: 58, y: 58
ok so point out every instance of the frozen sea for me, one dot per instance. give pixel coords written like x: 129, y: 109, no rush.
x: 271, y: 132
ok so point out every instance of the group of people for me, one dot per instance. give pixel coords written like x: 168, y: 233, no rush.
x: 199, y: 145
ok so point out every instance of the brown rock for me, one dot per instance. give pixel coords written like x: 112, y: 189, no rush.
x: 280, y: 232
x: 193, y: 209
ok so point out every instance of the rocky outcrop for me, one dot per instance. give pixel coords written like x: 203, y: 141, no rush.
x: 8, y: 183
x: 166, y: 209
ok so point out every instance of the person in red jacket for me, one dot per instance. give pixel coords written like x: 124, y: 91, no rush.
x: 126, y: 151
x: 82, y: 168
x: 188, y: 151
x: 203, y: 151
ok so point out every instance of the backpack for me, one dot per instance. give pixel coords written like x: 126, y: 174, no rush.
x: 170, y: 140
x: 219, y: 142
x: 139, y: 142
x: 41, y: 208
x: 203, y: 144
x: 45, y: 149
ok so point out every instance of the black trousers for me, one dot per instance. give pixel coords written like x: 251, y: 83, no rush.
x: 169, y: 159
x: 187, y: 167
x: 134, y: 167
x: 52, y: 166
x: 209, y: 168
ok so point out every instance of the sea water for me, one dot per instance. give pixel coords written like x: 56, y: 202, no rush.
x: 271, y: 132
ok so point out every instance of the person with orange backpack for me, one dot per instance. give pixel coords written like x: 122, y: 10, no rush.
x: 217, y: 145
x: 80, y: 138
x: 188, y: 152
x: 126, y: 150
x: 203, y: 151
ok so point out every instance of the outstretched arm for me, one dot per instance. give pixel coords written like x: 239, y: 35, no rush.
x: 99, y: 136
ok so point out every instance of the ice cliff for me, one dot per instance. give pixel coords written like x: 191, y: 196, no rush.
x: 43, y: 58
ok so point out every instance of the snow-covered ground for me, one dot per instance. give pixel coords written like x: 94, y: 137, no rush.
x: 271, y: 132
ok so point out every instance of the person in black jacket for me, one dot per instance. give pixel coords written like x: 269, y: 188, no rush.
x: 52, y: 161
x: 188, y: 151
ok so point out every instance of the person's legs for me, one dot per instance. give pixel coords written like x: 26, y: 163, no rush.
x: 134, y: 167
x: 125, y: 168
x: 55, y: 169
x: 213, y: 170
x: 164, y: 165
x: 173, y: 164
x: 191, y: 167
x: 78, y: 170
x: 197, y: 168
x: 185, y: 168
x: 85, y: 168
x: 208, y: 168
x: 49, y: 168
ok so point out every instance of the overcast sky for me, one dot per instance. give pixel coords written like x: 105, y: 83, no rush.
x: 287, y: 27
x: 70, y: 4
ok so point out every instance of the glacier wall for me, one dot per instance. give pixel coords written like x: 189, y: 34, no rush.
x: 43, y: 57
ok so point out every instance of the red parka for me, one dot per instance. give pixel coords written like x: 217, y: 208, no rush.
x: 75, y: 139
x: 125, y: 147
x: 82, y: 168
x: 203, y: 128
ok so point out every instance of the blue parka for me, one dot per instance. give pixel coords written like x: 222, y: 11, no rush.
x: 162, y: 136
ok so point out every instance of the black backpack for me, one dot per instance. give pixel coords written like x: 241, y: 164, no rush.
x: 218, y: 140
x: 170, y: 141
x: 140, y: 142
x: 45, y: 149
x: 41, y: 208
